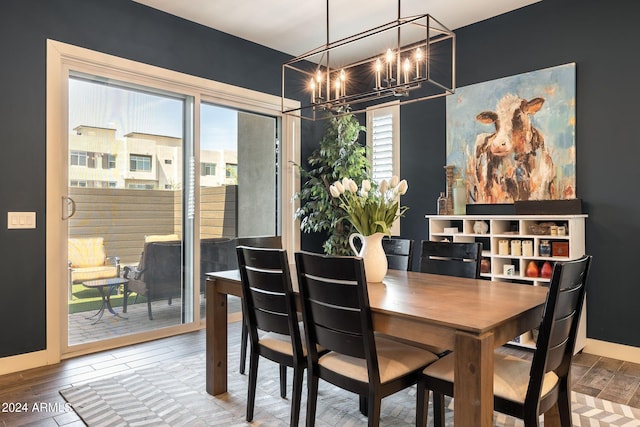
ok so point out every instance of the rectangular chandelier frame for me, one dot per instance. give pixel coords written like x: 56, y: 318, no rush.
x: 419, y: 64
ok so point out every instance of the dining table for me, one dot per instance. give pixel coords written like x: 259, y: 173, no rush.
x: 472, y: 317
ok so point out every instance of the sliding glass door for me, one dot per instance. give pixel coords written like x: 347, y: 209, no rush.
x: 143, y: 165
x: 128, y: 231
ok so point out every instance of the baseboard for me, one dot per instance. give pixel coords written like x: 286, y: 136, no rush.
x: 612, y: 350
x: 21, y: 362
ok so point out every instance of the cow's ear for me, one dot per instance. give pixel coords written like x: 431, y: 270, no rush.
x: 532, y: 107
x: 487, y: 117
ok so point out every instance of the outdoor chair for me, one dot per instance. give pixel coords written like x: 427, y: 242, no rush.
x: 272, y: 320
x: 158, y: 275
x: 337, y: 317
x: 526, y: 389
x: 88, y: 261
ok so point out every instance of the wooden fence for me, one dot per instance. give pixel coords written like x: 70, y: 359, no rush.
x: 123, y: 217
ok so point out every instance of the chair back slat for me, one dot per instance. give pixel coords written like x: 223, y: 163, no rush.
x: 266, y: 280
x: 451, y: 258
x: 332, y: 292
x: 268, y: 321
x: 267, y: 242
x: 558, y: 330
x: 399, y: 253
x: 336, y: 305
x: 339, y: 318
x: 268, y: 301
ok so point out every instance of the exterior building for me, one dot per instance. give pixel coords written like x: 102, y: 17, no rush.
x: 98, y: 159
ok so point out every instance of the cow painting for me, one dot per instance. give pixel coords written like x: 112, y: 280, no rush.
x: 512, y: 162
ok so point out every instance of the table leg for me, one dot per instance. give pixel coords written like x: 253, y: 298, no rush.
x: 473, y: 391
x: 216, y: 340
x: 103, y: 304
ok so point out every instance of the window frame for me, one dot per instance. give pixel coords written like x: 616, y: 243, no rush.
x: 140, y: 159
x: 392, y: 108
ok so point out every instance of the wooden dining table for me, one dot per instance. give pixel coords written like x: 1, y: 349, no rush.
x: 470, y: 316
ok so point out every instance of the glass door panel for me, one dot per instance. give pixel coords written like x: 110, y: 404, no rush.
x: 239, y: 184
x: 126, y: 239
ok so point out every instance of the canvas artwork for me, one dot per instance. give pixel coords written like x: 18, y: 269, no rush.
x: 514, y: 138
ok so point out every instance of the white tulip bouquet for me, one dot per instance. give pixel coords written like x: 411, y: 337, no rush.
x: 371, y: 209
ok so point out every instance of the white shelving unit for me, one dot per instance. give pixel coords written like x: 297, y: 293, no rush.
x: 502, y: 231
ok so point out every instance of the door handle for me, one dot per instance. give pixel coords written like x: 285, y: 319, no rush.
x: 66, y: 202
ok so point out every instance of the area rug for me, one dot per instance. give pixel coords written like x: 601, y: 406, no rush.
x: 174, y: 395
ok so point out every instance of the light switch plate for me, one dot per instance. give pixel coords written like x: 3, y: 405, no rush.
x: 21, y: 220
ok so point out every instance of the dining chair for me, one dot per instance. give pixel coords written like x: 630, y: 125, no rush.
x: 337, y: 317
x: 272, y: 320
x: 271, y: 242
x: 399, y: 253
x: 461, y: 259
x: 526, y: 389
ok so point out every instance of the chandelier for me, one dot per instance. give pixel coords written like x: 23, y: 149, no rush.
x: 416, y: 62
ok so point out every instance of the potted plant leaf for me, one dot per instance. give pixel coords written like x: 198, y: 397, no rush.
x: 338, y: 155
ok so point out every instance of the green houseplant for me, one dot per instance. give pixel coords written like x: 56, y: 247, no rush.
x: 339, y: 155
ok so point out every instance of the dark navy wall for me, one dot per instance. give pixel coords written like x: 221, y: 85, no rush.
x: 602, y: 39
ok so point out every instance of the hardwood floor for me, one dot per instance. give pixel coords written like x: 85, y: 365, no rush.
x: 36, y: 391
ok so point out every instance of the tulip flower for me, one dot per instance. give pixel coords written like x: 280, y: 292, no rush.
x: 403, y: 187
x: 371, y: 210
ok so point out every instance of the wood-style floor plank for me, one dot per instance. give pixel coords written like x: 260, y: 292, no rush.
x: 600, y: 377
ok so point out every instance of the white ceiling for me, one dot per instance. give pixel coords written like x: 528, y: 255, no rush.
x: 297, y: 26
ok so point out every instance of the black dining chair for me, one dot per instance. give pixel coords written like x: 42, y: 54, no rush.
x: 526, y: 389
x: 337, y: 317
x: 271, y: 242
x: 459, y: 259
x: 399, y: 253
x: 272, y: 319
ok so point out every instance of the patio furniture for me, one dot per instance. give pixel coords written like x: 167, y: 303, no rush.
x: 158, y: 275
x: 110, y: 285
x: 88, y: 261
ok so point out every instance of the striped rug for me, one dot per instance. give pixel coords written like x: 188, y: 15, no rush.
x: 174, y: 395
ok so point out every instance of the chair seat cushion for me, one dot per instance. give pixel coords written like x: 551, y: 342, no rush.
x: 86, y: 252
x: 92, y: 273
x: 282, y: 343
x: 395, y: 359
x: 510, y: 376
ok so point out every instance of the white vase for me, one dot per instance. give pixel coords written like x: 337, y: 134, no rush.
x: 375, y: 260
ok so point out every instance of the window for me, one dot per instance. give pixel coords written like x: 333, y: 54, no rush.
x: 231, y: 170
x: 207, y: 169
x: 383, y: 145
x: 108, y: 161
x: 91, y: 160
x: 78, y: 158
x: 167, y: 161
x: 139, y: 162
x: 134, y: 186
x: 383, y: 141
